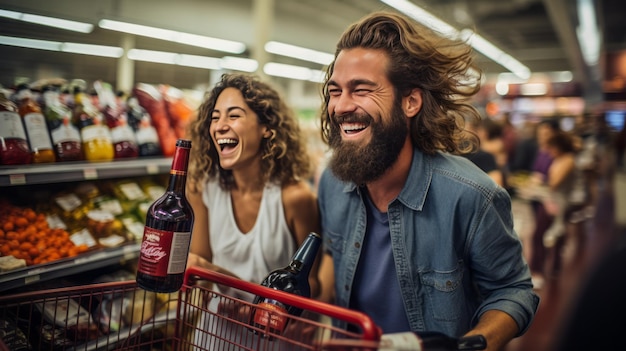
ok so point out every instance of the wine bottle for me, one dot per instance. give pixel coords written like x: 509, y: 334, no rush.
x: 14, y: 148
x: 293, y: 279
x: 167, y: 233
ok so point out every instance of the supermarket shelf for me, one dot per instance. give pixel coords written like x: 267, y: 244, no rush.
x: 77, y: 171
x: 65, y: 267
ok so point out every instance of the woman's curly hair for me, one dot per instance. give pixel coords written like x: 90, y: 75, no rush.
x: 419, y: 58
x: 284, y: 155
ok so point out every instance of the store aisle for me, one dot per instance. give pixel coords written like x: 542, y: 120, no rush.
x: 561, y: 289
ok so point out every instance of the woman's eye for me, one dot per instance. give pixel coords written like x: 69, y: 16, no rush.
x: 214, y: 118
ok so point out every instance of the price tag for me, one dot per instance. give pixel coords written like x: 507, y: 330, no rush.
x: 90, y: 173
x: 31, y: 279
x: 17, y: 179
x: 152, y: 168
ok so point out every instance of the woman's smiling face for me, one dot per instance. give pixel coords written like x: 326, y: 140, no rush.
x: 236, y: 131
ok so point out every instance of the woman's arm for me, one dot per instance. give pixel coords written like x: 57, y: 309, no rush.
x: 560, y: 170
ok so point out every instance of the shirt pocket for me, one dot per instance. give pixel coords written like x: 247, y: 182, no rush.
x: 444, y: 293
x: 333, y: 243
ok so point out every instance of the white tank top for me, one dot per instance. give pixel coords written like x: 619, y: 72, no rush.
x: 251, y: 256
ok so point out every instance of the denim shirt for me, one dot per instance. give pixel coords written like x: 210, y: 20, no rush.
x: 455, y: 250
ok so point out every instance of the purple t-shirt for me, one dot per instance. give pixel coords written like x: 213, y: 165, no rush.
x: 542, y: 163
x: 376, y: 290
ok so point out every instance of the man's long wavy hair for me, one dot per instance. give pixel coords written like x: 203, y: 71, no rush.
x: 284, y: 155
x: 419, y: 58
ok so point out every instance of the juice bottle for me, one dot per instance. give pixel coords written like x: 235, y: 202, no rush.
x: 65, y: 136
x: 35, y: 126
x: 95, y: 135
x: 122, y: 135
x: 14, y: 149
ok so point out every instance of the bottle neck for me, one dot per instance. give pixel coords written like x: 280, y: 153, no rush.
x: 178, y: 172
x: 305, y: 256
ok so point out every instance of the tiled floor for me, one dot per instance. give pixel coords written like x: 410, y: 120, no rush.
x: 559, y: 292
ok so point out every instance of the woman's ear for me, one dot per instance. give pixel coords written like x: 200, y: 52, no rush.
x: 412, y: 103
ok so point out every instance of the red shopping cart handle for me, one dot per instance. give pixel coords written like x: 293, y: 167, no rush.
x: 370, y: 331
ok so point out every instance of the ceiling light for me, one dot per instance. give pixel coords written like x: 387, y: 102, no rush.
x: 476, y: 41
x: 205, y: 62
x: 533, y: 89
x: 77, y: 48
x: 96, y: 50
x: 298, y: 52
x: 239, y: 64
x: 174, y: 36
x: 48, y: 21
x: 587, y: 32
x: 293, y: 72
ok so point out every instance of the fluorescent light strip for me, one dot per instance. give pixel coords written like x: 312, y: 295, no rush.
x: 298, y: 52
x: 205, y: 62
x: 223, y: 45
x: 293, y: 72
x: 48, y: 21
x: 478, y: 42
x: 76, y: 48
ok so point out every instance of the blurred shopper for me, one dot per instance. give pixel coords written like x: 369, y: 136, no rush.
x: 485, y: 160
x: 406, y: 221
x: 546, y: 129
x: 247, y: 184
x: 566, y: 198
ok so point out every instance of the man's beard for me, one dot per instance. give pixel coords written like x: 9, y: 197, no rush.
x: 362, y: 164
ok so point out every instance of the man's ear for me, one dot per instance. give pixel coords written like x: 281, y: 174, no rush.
x: 412, y: 103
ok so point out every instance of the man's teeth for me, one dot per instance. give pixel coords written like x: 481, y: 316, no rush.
x: 350, y: 127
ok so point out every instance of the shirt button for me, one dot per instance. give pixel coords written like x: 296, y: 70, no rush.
x: 357, y: 245
x: 448, y: 283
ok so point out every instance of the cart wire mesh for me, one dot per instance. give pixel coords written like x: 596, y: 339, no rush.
x: 210, y: 312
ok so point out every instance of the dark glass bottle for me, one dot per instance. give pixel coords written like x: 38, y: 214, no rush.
x: 292, y: 279
x: 167, y: 233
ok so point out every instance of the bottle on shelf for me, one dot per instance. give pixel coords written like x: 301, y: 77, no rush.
x: 14, y: 149
x: 294, y: 278
x: 96, y: 138
x: 35, y: 126
x: 65, y: 136
x: 116, y: 118
x: 140, y: 121
x: 167, y: 233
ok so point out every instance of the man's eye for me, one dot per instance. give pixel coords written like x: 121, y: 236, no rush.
x: 334, y: 92
x: 234, y: 116
x: 361, y: 91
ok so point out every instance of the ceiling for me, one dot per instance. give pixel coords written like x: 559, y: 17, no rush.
x: 539, y: 33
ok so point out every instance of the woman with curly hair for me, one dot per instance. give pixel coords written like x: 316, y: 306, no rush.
x: 247, y: 182
x: 405, y: 219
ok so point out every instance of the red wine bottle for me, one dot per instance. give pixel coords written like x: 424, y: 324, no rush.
x: 292, y: 279
x: 167, y: 233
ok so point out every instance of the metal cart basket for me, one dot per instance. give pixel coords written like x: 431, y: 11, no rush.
x: 121, y: 316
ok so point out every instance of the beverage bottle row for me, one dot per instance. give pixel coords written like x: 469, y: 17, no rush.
x: 50, y: 128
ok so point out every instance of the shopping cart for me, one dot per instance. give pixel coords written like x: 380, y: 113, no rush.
x: 121, y: 316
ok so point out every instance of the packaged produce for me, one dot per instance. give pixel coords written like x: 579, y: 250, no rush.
x: 151, y: 99
x: 65, y: 136
x: 178, y: 110
x: 12, y: 335
x: 14, y: 149
x: 35, y: 126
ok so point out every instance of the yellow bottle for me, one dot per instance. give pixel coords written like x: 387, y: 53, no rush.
x: 96, y: 138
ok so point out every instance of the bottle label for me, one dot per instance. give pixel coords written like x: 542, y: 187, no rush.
x: 122, y: 133
x: 267, y: 318
x: 11, y: 125
x: 400, y: 341
x: 95, y: 132
x: 65, y: 133
x: 163, y: 252
x: 147, y: 135
x: 37, y: 131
